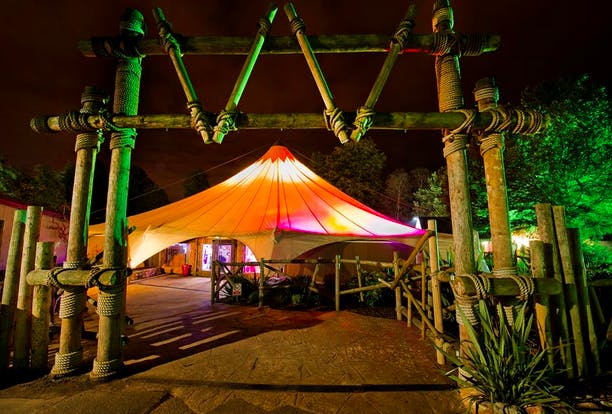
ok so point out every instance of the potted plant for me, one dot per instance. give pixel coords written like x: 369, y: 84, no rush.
x: 499, y: 371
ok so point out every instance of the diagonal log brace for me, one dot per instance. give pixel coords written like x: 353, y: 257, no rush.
x: 333, y: 115
x: 199, y: 120
x: 226, y: 121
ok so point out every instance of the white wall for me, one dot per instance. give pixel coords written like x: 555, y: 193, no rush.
x: 53, y: 228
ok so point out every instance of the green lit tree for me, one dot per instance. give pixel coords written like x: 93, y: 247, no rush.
x: 355, y: 168
x: 569, y: 164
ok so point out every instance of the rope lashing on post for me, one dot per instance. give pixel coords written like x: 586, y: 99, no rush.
x: 199, y: 121
x: 535, y: 123
x: 89, y: 140
x: 363, y: 121
x: 447, y: 68
x: 110, y: 301
x: 466, y: 303
x: 490, y: 141
x: 226, y: 122
x: 73, y: 121
x: 104, y: 369
x: 123, y: 139
x: 440, y: 15
x: 334, y: 121
x: 72, y: 303
x: 458, y: 138
x: 67, y: 363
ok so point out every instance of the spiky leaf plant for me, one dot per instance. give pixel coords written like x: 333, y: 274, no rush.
x: 498, y: 365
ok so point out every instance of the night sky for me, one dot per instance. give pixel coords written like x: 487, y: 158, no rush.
x: 45, y: 73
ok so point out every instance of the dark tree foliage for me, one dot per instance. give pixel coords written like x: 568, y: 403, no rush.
x: 356, y: 168
x: 143, y: 193
x: 197, y: 181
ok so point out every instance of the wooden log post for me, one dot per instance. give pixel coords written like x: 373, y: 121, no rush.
x: 436, y: 294
x: 450, y: 97
x: 363, y: 120
x: 111, y: 301
x: 10, y: 288
x: 334, y: 117
x: 359, y: 281
x: 575, y: 247
x: 337, y: 265
x: 41, y: 311
x: 199, y: 120
x: 572, y: 304
x: 492, y: 152
x: 226, y: 119
x: 397, y: 290
x: 546, y: 233
x: 23, y: 315
x: 262, y: 280
x: 69, y: 357
x: 541, y: 267
x: 213, y: 283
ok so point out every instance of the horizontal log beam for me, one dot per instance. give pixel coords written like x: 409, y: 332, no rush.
x: 505, y: 286
x: 434, y: 44
x: 76, y: 122
x: 76, y: 277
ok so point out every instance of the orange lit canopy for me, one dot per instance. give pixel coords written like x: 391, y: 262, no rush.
x: 276, y: 206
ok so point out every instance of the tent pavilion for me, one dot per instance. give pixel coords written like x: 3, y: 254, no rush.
x: 277, y: 207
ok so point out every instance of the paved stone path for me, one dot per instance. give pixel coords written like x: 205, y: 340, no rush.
x: 188, y: 356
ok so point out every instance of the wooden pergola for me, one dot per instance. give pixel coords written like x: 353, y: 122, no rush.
x: 458, y: 125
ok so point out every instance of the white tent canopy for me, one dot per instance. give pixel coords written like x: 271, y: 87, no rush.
x: 276, y: 206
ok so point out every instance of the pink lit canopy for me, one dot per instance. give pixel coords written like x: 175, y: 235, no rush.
x: 277, y: 206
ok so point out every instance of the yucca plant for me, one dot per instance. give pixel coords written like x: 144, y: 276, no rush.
x: 498, y: 365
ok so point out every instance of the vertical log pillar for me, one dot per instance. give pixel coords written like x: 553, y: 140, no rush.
x: 337, y: 282
x: 448, y: 79
x: 398, y: 289
x: 571, y: 292
x: 23, y: 316
x: 546, y: 233
x: 213, y: 283
x: 450, y: 98
x: 69, y: 357
x: 41, y: 304
x: 436, y: 294
x: 541, y: 267
x: 11, y: 288
x: 492, y: 151
x: 575, y: 248
x: 111, y: 301
x: 262, y: 280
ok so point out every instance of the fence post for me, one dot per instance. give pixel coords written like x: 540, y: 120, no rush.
x: 23, y: 315
x: 436, y: 294
x: 11, y: 287
x: 337, y: 283
x: 41, y: 305
x: 398, y: 290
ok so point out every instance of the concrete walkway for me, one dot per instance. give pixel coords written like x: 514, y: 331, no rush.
x: 188, y: 356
